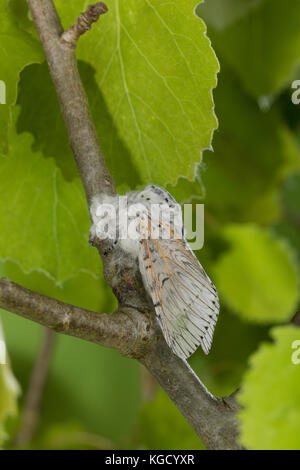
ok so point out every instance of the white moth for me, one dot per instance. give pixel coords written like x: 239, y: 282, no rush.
x: 185, y: 300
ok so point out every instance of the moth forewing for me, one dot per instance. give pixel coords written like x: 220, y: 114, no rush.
x: 185, y: 300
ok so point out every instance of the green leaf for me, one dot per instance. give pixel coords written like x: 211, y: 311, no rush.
x: 9, y: 392
x: 253, y: 153
x: 263, y: 46
x: 271, y: 395
x: 257, y: 276
x: 44, y: 219
x: 222, y: 13
x: 17, y: 49
x: 40, y: 115
x: 156, y: 70
x: 21, y: 15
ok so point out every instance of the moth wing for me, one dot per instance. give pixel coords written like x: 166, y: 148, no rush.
x: 185, y: 300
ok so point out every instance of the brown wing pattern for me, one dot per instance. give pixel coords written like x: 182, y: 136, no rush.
x: 185, y: 300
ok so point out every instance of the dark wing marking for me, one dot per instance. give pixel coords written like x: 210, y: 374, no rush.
x: 185, y: 300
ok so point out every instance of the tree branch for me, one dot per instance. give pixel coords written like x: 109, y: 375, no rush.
x: 61, y: 59
x: 134, y: 335
x: 122, y: 330
x: 133, y: 329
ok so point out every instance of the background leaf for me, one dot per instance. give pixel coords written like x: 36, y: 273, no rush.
x: 254, y: 151
x: 271, y: 395
x: 172, y: 64
x: 263, y: 46
x: 258, y: 276
x: 222, y: 13
x: 17, y: 49
x: 40, y: 209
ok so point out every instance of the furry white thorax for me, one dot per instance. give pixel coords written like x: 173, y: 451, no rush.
x: 185, y: 300
x: 147, y: 197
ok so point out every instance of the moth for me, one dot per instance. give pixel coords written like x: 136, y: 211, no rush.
x: 185, y: 299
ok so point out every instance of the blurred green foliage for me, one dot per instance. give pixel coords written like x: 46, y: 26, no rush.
x: 149, y: 72
x: 271, y: 394
x: 9, y: 392
x: 265, y: 270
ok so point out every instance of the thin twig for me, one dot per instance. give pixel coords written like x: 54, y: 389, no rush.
x: 31, y: 411
x: 296, y: 319
x: 149, y: 385
x: 84, y: 23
